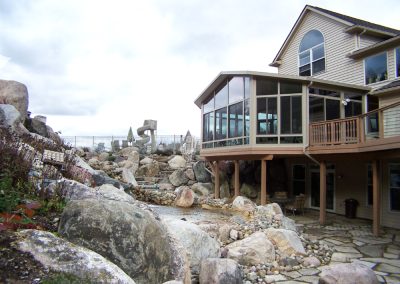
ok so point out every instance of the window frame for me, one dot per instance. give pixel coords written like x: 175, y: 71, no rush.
x: 390, y: 189
x: 310, y: 55
x: 324, y: 98
x: 365, y: 67
x: 304, y: 180
x: 223, y: 139
x: 279, y: 137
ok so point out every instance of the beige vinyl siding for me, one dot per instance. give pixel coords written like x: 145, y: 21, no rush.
x: 391, y: 122
x: 352, y: 185
x: 338, y: 67
x: 386, y: 100
x: 366, y: 41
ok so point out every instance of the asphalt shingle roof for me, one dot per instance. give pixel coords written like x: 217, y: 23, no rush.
x: 359, y: 22
x: 390, y: 85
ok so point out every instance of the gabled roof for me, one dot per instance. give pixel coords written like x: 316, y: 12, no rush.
x: 375, y: 48
x: 359, y: 22
x: 354, y: 25
x: 222, y: 76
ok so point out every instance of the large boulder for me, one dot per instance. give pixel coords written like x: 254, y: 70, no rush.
x: 177, y: 162
x: 220, y: 271
x: 202, y: 189
x: 60, y: 255
x: 148, y: 170
x: 200, y: 172
x: 127, y: 151
x: 184, y: 196
x: 100, y: 178
x: 287, y: 241
x: 197, y: 243
x: 10, y: 117
x: 190, y: 174
x: 243, y: 204
x: 178, y: 177
x: 128, y: 235
x: 110, y: 192
x: 146, y: 161
x: 39, y: 126
x: 269, y: 210
x: 16, y: 94
x: 351, y: 273
x: 248, y: 191
x: 253, y: 250
x: 73, y: 190
x: 128, y: 177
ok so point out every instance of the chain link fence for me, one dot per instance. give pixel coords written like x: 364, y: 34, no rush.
x: 172, y: 142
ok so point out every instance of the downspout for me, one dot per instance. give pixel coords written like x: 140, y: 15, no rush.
x: 308, y: 138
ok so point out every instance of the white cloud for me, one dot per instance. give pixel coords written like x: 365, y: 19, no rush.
x: 98, y: 67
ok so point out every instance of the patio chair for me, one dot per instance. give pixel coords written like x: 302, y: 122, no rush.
x: 297, y: 205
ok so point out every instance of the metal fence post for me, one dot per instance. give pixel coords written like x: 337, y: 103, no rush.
x: 174, y: 151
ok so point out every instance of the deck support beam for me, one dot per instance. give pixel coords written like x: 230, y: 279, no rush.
x: 376, y: 202
x: 263, y: 182
x: 322, y: 193
x: 237, y: 181
x: 216, y: 179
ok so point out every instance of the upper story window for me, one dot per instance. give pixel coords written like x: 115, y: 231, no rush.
x: 312, y: 54
x: 397, y: 62
x: 376, y: 68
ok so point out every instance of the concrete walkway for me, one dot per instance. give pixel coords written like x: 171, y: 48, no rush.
x: 352, y: 241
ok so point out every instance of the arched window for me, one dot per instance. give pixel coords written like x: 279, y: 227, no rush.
x: 312, y: 54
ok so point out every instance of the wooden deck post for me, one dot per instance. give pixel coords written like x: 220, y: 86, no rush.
x: 237, y: 181
x: 376, y: 202
x: 322, y: 193
x: 216, y: 179
x: 263, y: 182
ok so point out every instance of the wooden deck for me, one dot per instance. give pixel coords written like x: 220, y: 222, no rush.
x: 373, y: 131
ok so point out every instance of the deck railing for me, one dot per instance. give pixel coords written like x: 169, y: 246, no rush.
x: 380, y: 123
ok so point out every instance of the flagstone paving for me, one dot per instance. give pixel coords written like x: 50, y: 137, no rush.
x: 352, y: 241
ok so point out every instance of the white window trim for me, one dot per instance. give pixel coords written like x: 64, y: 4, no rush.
x: 311, y: 59
x: 389, y: 207
x: 387, y: 69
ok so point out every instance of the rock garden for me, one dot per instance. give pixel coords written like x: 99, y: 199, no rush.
x: 80, y: 215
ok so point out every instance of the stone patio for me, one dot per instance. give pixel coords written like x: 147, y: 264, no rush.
x: 352, y: 241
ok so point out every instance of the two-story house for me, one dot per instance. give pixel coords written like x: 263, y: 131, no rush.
x: 331, y: 114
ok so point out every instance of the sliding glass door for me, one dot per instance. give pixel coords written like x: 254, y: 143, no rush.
x: 330, y: 188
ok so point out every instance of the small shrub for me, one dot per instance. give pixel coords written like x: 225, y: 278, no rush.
x: 65, y: 278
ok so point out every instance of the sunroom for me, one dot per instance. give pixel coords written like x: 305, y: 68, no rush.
x: 255, y: 113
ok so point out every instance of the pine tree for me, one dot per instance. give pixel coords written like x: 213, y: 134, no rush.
x: 130, y: 135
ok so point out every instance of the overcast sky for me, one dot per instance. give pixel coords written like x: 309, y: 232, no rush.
x: 99, y: 67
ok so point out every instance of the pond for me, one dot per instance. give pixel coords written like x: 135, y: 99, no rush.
x: 193, y: 214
